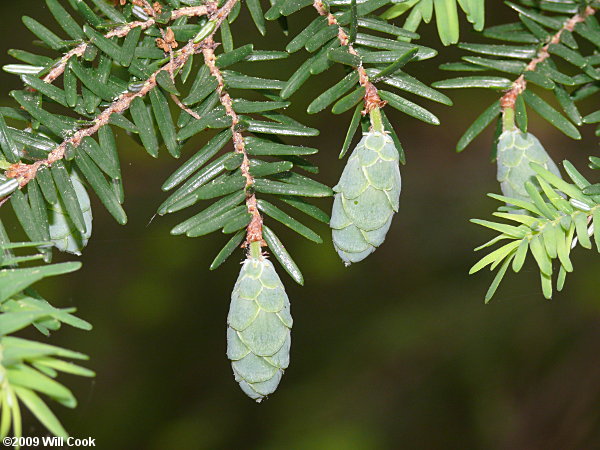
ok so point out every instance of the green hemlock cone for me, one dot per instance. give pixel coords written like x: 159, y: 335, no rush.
x: 258, y: 333
x: 367, y: 197
x: 516, y: 150
x: 63, y: 233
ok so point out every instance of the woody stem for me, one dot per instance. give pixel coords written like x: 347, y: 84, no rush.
x: 508, y: 100
x: 254, y: 229
x: 26, y: 172
x: 371, y: 98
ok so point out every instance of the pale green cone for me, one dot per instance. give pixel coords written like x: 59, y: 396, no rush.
x: 259, y: 325
x: 516, y: 150
x: 367, y: 196
x: 63, y: 233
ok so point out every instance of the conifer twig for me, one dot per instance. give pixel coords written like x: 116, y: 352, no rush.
x: 191, y: 11
x: 24, y: 173
x: 371, y: 98
x: 179, y: 103
x: 520, y: 84
x: 254, y: 229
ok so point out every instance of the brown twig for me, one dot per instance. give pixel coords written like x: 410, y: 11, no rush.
x: 26, y: 172
x: 254, y: 229
x: 520, y: 84
x: 371, y: 98
x: 190, y: 11
x: 179, y: 103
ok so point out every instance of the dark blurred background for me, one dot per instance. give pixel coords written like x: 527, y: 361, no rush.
x: 396, y: 352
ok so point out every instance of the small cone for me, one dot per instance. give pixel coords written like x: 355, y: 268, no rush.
x: 258, y: 328
x: 367, y: 196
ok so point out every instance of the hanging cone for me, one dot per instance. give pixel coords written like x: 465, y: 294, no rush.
x: 259, y: 325
x: 367, y: 197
